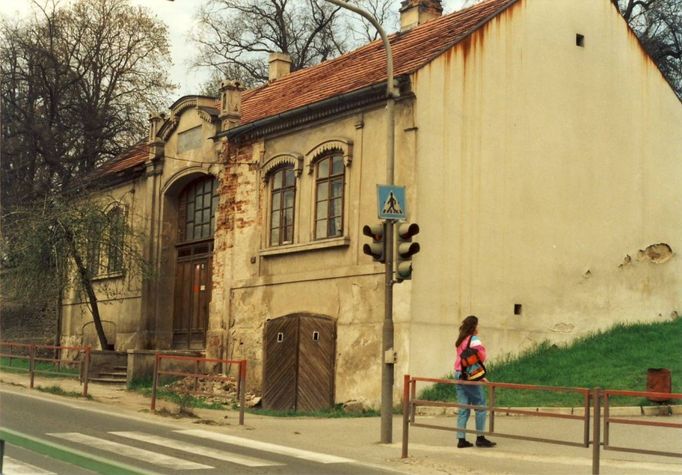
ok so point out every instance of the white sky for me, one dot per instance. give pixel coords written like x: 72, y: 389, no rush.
x: 178, y: 15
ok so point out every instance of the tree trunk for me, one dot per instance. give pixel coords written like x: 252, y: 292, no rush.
x: 86, y: 282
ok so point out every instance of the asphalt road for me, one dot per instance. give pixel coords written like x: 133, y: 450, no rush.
x: 123, y: 445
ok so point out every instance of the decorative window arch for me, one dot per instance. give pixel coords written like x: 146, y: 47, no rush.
x: 328, y: 162
x: 339, y: 144
x: 295, y: 160
x: 280, y: 174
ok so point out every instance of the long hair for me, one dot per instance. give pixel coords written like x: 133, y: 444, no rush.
x: 467, y: 328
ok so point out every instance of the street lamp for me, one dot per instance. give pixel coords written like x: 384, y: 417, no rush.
x: 387, y: 369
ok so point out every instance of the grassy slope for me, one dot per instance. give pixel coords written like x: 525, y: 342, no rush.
x: 614, y: 359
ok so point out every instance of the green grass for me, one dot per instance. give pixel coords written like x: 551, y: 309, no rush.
x: 61, y: 392
x: 45, y: 368
x: 614, y: 359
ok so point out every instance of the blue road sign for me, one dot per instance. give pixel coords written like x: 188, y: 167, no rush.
x: 391, y: 202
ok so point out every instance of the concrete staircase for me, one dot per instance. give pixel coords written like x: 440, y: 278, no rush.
x: 116, y: 375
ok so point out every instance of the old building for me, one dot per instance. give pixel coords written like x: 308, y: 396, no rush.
x: 540, y: 148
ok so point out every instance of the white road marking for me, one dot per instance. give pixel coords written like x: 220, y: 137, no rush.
x: 198, y: 449
x: 267, y: 447
x: 133, y: 452
x: 11, y: 466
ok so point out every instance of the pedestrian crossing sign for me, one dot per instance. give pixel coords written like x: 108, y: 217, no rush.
x: 391, y: 202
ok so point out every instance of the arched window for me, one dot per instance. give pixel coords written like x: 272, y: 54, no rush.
x: 329, y: 186
x: 282, y: 199
x: 198, y: 204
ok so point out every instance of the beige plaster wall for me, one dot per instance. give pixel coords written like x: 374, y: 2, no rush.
x: 541, y: 167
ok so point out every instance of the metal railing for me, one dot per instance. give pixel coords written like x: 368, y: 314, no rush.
x: 591, y: 397
x: 608, y: 420
x: 39, y: 363
x: 197, y: 375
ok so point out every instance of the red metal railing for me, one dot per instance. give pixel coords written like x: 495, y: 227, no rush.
x: 31, y: 354
x: 197, y: 375
x: 608, y: 420
x: 590, y: 397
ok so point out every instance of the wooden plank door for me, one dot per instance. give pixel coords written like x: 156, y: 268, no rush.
x: 316, y: 347
x: 280, y: 364
x: 298, y: 367
x: 192, y: 296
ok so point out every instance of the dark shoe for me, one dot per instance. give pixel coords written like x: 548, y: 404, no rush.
x: 463, y: 444
x: 483, y: 442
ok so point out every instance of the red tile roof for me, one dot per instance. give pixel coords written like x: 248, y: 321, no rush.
x: 135, y: 155
x: 367, y: 65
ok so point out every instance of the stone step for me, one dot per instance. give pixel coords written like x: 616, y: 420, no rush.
x: 113, y: 374
x: 111, y: 381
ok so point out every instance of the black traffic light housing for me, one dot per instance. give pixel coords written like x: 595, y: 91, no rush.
x: 377, y: 248
x: 405, y: 249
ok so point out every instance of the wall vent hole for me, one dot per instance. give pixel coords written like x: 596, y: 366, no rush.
x: 517, y: 309
x: 580, y: 40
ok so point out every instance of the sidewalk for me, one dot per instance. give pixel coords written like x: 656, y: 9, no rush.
x: 430, y: 451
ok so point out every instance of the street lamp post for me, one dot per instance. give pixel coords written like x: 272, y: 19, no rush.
x: 387, y: 369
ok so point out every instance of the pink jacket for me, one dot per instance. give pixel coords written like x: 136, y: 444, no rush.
x: 476, y: 344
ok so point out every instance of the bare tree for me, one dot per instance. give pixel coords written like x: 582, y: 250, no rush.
x: 234, y: 37
x: 658, y: 24
x: 76, y: 84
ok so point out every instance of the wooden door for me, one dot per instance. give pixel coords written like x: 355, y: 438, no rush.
x: 192, y: 296
x: 298, y: 368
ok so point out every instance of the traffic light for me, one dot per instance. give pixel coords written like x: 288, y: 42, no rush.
x: 405, y: 249
x: 377, y: 248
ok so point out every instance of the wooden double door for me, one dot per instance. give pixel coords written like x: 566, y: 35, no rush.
x: 298, y: 367
x: 192, y: 297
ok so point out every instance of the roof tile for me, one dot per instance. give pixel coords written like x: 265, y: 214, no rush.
x: 366, y: 65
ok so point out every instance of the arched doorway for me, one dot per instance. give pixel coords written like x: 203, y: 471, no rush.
x: 194, y: 253
x: 298, y: 366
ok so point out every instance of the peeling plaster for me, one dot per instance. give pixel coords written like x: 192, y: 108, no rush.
x: 563, y: 328
x: 656, y: 253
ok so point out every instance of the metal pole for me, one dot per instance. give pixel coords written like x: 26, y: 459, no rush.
x: 86, y: 370
x: 407, y: 405
x: 387, y: 368
x: 596, y: 431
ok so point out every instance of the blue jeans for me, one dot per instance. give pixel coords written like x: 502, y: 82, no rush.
x: 472, y: 395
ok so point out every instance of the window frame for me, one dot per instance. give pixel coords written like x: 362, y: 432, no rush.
x: 287, y: 172
x: 187, y: 218
x: 330, y: 178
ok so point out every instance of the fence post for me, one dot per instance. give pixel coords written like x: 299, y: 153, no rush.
x: 407, y: 411
x: 156, y: 381
x: 86, y: 371
x: 2, y: 452
x: 596, y: 437
x: 413, y: 396
x: 586, y: 408
x: 491, y: 408
x: 606, y: 420
x: 31, y: 363
x: 242, y: 390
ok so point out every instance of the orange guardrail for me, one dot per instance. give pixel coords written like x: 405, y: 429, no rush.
x: 197, y: 375
x: 591, y: 398
x: 34, y: 354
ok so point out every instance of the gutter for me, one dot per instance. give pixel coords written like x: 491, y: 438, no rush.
x: 347, y: 99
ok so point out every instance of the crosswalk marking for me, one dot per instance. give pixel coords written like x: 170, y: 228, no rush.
x: 197, y: 449
x: 265, y: 446
x: 128, y: 451
x: 12, y: 466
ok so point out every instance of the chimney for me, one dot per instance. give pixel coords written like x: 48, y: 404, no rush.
x: 230, y: 104
x: 280, y: 66
x: 415, y: 12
